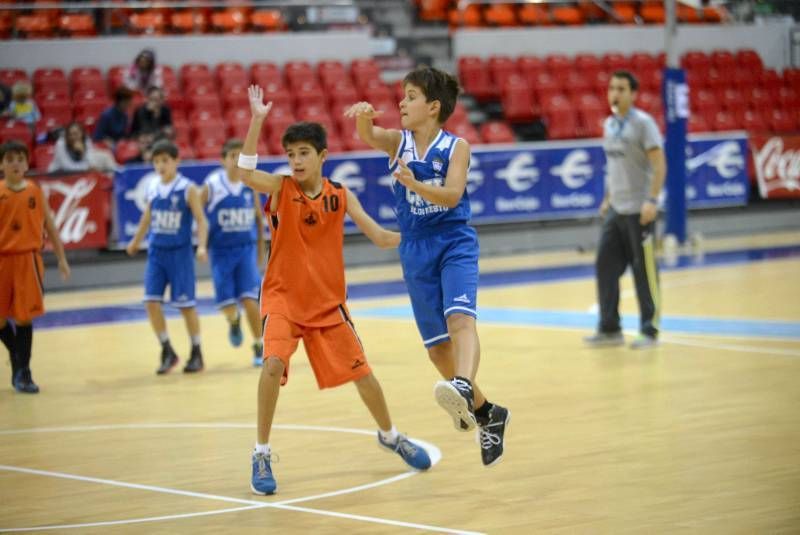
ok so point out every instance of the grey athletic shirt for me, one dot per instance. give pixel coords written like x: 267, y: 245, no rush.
x: 626, y: 141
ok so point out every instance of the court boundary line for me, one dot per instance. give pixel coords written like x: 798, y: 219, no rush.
x: 247, y: 504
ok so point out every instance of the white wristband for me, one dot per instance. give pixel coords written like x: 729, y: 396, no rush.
x: 247, y: 161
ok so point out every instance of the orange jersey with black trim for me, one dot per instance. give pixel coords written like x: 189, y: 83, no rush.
x: 304, y: 280
x: 21, y: 218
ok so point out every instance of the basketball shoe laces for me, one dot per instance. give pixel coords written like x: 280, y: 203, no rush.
x: 462, y: 386
x: 487, y: 438
x: 405, y: 447
x: 263, y: 459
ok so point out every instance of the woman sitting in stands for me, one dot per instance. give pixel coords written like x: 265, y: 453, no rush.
x: 74, y: 151
x: 144, y: 72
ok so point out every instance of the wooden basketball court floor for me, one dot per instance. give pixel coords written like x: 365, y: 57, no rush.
x: 699, y: 435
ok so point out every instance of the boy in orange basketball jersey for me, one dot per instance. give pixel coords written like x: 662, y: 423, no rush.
x: 303, y: 292
x: 24, y: 216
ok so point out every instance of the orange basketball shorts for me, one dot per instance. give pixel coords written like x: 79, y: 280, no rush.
x: 335, y: 352
x: 21, y: 292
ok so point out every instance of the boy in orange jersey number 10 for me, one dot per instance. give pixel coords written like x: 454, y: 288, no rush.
x: 303, y: 292
x: 24, y: 215
x: 439, y: 250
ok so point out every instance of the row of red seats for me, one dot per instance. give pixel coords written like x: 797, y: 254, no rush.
x: 476, y: 15
x: 49, y: 23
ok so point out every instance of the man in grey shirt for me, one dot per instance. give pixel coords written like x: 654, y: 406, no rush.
x: 634, y: 176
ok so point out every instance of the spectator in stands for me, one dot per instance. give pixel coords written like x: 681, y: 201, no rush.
x: 113, y: 123
x: 5, y: 97
x: 22, y: 106
x: 635, y: 172
x: 153, y: 117
x: 144, y: 73
x: 74, y: 151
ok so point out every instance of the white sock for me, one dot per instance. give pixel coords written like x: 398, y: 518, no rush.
x: 195, y: 340
x: 163, y: 337
x: 262, y: 448
x: 390, y: 436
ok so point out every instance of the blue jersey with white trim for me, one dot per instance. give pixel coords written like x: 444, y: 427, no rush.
x: 230, y: 210
x: 170, y: 215
x: 416, y: 215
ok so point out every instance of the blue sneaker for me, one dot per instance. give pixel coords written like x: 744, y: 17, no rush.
x: 235, y: 336
x: 415, y: 456
x: 263, y: 482
x: 258, y: 359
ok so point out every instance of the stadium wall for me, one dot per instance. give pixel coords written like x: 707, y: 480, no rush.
x: 105, y: 52
x: 770, y: 40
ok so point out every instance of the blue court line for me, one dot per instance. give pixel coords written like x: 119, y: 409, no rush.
x: 588, y: 321
x: 205, y: 306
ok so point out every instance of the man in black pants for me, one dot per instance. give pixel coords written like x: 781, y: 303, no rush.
x: 634, y: 176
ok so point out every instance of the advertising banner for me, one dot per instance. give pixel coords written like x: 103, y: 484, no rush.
x: 81, y: 207
x: 777, y: 165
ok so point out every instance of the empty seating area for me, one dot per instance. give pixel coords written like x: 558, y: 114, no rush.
x: 209, y: 103
x: 55, y: 22
x: 498, y: 15
x: 728, y: 90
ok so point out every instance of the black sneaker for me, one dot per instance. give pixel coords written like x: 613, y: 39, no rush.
x: 23, y: 382
x: 235, y: 335
x: 195, y: 363
x: 455, y: 397
x: 168, y: 359
x: 491, y: 435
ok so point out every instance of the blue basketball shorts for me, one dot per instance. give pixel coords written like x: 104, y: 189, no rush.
x: 174, y: 267
x: 441, y: 273
x: 234, y: 271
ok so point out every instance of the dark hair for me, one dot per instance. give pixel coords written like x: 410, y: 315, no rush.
x: 14, y: 147
x: 436, y: 85
x: 122, y: 94
x: 164, y: 146
x: 146, y: 53
x: 231, y: 145
x: 626, y: 75
x: 313, y: 133
x: 153, y: 89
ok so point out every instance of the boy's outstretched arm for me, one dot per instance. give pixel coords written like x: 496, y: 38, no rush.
x: 258, y: 180
x: 383, y: 139
x: 141, y: 230
x: 385, y: 239
x: 55, y: 239
x: 196, y: 206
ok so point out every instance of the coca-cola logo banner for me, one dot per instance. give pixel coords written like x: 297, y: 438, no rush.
x: 777, y: 165
x: 80, y: 204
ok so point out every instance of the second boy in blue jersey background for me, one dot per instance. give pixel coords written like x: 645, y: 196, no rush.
x: 235, y: 245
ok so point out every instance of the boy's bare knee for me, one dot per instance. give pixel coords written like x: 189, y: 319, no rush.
x: 458, y: 322
x: 274, y: 366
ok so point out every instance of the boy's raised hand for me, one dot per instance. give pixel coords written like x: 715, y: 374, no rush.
x: 362, y: 109
x: 257, y: 107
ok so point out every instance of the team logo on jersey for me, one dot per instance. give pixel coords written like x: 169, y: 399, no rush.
x: 461, y: 299
x: 310, y: 219
x: 357, y: 364
x: 31, y: 202
x: 437, y: 164
x: 173, y: 199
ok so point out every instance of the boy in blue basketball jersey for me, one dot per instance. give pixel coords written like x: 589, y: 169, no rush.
x: 235, y: 245
x: 172, y: 202
x: 438, y: 250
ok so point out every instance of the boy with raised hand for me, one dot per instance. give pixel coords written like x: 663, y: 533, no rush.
x: 439, y: 250
x: 303, y: 292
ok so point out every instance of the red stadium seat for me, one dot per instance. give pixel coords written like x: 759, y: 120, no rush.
x: 527, y: 64
x: 697, y: 123
x: 545, y: 86
x: 42, y: 156
x: 587, y: 64
x: 497, y: 132
x: 232, y: 20
x: 591, y: 122
x: 650, y: 79
x: 561, y: 124
x: 77, y: 25
x: 468, y: 132
x: 642, y: 61
x: 500, y: 15
x: 614, y: 61
x: 501, y: 68
x: 557, y: 64
x: 589, y: 102
x: 150, y: 21
x: 470, y: 17
x: 652, y: 12
x: 265, y: 70
x: 748, y: 58
x: 723, y: 60
x: 567, y: 15
x: 298, y: 71
x: 189, y: 21
x: 781, y: 121
x: 475, y: 77
x: 791, y: 78
x: 696, y: 60
x: 752, y: 121
x: 731, y: 98
x: 576, y: 83
x: 534, y: 15
x: 703, y: 100
x: 517, y: 100
x: 11, y: 129
x: 267, y: 20
x: 376, y: 90
x: 432, y: 10
x: 229, y: 72
x: 10, y: 76
x: 342, y: 93
x: 724, y: 121
x: 789, y: 98
x: 35, y: 25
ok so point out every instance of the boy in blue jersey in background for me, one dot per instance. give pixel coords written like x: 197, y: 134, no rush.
x: 438, y: 250
x: 172, y: 202
x: 235, y: 245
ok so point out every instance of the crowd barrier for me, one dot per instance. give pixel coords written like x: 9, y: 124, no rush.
x: 511, y: 183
